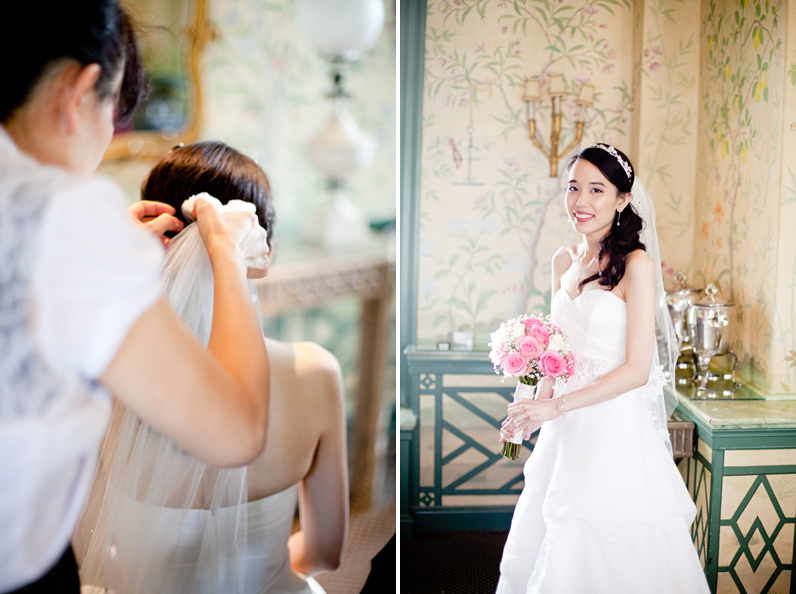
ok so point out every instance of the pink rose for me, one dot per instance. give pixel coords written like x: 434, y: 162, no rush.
x: 530, y: 348
x: 552, y: 364
x: 541, y: 334
x: 530, y: 323
x: 514, y: 365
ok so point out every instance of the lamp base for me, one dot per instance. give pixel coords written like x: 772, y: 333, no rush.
x: 337, y: 223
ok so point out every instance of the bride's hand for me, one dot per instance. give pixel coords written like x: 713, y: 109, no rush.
x: 507, y: 430
x: 526, y: 412
x: 239, y: 230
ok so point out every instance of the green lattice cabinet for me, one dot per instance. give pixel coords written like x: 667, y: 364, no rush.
x: 743, y: 480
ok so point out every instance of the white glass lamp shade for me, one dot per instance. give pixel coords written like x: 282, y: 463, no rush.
x: 342, y: 147
x: 341, y: 27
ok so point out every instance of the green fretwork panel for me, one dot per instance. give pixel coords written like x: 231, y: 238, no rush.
x: 756, y: 548
x: 696, y: 474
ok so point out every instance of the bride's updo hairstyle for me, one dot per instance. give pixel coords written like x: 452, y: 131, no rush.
x: 36, y: 36
x: 623, y: 238
x: 211, y: 167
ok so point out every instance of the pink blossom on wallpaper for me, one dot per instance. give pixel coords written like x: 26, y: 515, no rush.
x: 646, y: 52
x: 510, y: 161
x: 608, y: 69
x: 518, y: 52
x: 479, y: 47
x: 552, y: 364
x: 504, y: 29
x: 463, y: 103
x: 444, y: 7
x: 457, y: 2
x: 446, y: 100
x: 583, y: 78
x: 603, y: 26
x: 612, y: 54
x: 442, y: 61
x: 655, y: 66
x: 591, y: 36
x: 656, y: 50
x: 590, y: 9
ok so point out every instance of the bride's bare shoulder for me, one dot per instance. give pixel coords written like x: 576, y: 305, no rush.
x: 563, y: 258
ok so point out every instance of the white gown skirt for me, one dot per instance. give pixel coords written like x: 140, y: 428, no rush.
x: 604, y: 510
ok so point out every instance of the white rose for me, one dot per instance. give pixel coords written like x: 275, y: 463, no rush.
x: 557, y: 343
x: 517, y: 332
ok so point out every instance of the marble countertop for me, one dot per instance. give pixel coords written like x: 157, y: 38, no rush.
x: 741, y: 414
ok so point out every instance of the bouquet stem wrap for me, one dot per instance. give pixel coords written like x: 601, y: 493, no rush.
x: 511, y: 449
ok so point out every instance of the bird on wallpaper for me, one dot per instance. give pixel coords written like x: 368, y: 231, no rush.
x: 457, y: 156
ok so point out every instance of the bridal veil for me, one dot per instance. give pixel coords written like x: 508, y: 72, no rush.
x: 143, y: 476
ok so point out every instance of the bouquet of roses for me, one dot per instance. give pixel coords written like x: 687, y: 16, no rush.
x: 529, y: 348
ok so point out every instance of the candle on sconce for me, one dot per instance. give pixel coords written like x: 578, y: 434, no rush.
x: 557, y: 89
x: 532, y: 89
x: 585, y: 99
x: 531, y: 95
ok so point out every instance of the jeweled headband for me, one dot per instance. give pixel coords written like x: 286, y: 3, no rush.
x: 612, y: 151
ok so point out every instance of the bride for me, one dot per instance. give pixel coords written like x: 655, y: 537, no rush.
x: 604, y: 509
x: 161, y: 521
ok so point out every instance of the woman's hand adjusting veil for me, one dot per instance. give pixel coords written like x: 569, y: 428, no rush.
x: 156, y: 217
x: 238, y: 229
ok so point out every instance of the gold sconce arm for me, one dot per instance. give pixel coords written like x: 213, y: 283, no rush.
x: 575, y: 141
x: 534, y: 139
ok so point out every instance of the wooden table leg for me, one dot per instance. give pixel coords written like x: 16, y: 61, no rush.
x: 372, y: 363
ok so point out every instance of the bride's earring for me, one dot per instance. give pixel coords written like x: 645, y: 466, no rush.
x: 618, y: 215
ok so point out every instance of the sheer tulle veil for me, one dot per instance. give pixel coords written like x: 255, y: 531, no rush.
x: 142, y: 474
x: 663, y: 398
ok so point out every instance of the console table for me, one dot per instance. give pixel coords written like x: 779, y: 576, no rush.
x: 302, y: 277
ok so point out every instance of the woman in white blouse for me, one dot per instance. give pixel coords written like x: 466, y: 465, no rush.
x: 82, y: 313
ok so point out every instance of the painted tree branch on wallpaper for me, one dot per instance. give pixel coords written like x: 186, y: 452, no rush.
x: 484, y: 244
x: 734, y: 81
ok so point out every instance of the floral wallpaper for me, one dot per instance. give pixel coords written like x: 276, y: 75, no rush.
x: 743, y: 180
x: 694, y: 92
x: 491, y: 217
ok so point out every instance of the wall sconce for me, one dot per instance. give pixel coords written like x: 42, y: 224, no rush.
x: 557, y: 90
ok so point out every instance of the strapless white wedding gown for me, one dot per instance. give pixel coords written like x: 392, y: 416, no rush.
x: 604, y: 509
x: 171, y: 564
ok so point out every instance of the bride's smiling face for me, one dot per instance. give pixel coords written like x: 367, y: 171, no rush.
x: 591, y: 200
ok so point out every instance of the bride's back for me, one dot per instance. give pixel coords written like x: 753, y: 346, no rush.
x: 305, y: 407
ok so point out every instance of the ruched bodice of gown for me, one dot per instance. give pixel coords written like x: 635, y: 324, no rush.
x: 604, y: 509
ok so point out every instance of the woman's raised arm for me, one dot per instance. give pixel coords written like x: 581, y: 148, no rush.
x: 214, y: 402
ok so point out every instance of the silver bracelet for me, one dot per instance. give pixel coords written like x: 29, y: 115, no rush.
x: 563, y: 408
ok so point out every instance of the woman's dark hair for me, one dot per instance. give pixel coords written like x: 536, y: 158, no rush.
x: 623, y: 238
x: 211, y: 167
x: 36, y: 35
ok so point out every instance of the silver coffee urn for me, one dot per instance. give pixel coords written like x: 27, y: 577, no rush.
x: 708, y: 330
x: 679, y: 301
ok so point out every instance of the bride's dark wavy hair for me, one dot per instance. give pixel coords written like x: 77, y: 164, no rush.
x: 624, y: 236
x: 211, y: 167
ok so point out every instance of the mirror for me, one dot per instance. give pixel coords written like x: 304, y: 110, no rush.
x: 172, y: 35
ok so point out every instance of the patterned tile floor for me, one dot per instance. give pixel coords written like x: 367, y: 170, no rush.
x: 452, y: 562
